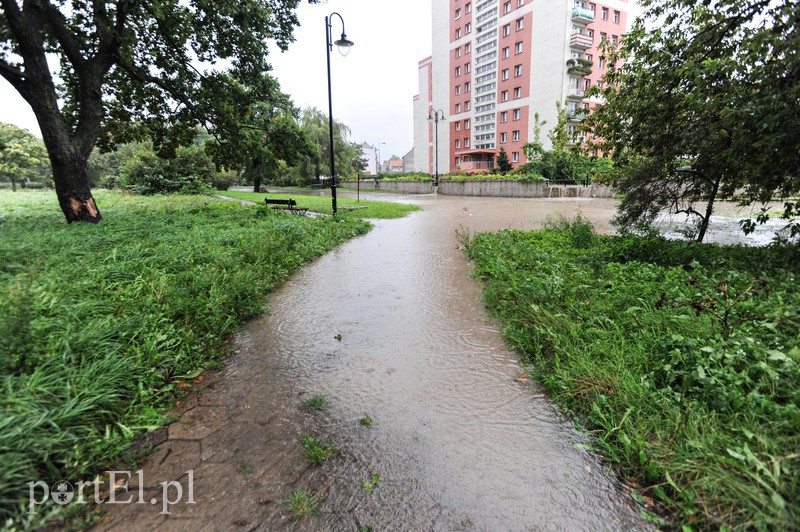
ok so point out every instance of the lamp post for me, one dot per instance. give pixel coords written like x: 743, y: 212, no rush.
x: 344, y: 47
x: 436, y: 115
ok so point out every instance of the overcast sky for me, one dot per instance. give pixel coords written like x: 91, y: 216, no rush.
x: 373, y: 86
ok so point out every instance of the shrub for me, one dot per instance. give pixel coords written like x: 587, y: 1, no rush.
x: 190, y: 172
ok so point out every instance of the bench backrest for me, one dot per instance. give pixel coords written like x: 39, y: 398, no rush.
x: 271, y: 201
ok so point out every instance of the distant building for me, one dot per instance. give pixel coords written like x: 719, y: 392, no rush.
x: 497, y: 62
x: 395, y: 165
x: 370, y: 155
x: 408, y: 161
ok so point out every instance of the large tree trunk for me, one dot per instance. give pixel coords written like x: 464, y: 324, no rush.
x: 72, y: 188
x: 712, y: 197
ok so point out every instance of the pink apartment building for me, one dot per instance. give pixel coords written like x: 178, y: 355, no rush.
x: 497, y: 62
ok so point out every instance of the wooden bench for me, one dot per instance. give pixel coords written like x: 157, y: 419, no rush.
x: 285, y: 204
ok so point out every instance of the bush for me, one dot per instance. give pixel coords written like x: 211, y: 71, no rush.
x: 223, y: 180
x: 190, y: 172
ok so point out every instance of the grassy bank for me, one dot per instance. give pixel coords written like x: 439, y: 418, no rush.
x: 322, y: 204
x: 100, y: 325
x: 681, y: 358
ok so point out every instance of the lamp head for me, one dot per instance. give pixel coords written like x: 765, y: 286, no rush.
x: 344, y: 45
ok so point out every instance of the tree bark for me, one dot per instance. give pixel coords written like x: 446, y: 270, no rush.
x: 709, y: 209
x: 73, y: 190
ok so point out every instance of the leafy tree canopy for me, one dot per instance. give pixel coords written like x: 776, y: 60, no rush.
x: 131, y: 67
x: 23, y: 157
x: 706, y: 106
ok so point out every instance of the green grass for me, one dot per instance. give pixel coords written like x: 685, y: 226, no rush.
x: 315, y: 451
x: 682, y: 359
x: 101, y: 326
x: 302, y: 504
x: 317, y: 403
x: 321, y: 204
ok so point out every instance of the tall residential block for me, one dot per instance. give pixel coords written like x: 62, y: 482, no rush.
x: 495, y: 63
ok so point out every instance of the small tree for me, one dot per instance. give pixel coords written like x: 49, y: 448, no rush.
x: 502, y: 163
x: 22, y: 156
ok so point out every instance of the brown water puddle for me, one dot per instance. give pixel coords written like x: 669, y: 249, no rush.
x: 460, y: 438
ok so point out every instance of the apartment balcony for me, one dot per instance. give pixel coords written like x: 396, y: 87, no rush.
x: 581, y: 15
x: 579, y: 41
x: 577, y: 115
x: 575, y: 94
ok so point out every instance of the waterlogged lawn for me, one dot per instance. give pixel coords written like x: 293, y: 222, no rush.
x: 101, y: 324
x: 321, y: 204
x: 682, y: 359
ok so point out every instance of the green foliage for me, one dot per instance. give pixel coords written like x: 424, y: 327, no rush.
x: 372, y: 484
x: 315, y: 452
x: 317, y: 403
x: 503, y: 165
x: 23, y: 158
x: 559, y: 135
x: 699, y: 111
x: 225, y: 179
x: 681, y: 358
x: 101, y: 326
x: 302, y: 504
x: 190, y: 172
x: 374, y: 209
x: 134, y: 70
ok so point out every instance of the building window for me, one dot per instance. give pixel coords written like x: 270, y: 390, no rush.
x: 520, y: 3
x: 616, y: 17
x: 466, y: 123
x: 466, y: 142
x: 589, y: 57
x: 599, y: 84
x: 504, y: 116
x: 468, y: 28
x: 458, y: 89
x: 458, y: 126
x: 505, y: 74
x: 467, y: 48
x: 503, y: 138
x: 458, y: 52
x: 458, y: 13
x: 507, y: 7
x: 467, y: 86
x: 603, y: 36
x: 458, y: 71
x: 614, y: 40
x: 590, y: 33
x: 516, y: 114
x: 514, y: 156
x: 520, y: 23
x: 517, y: 93
x: 458, y: 108
x: 467, y: 67
x: 587, y: 84
x: 466, y: 105
x: 517, y: 71
x: 468, y: 8
x: 515, y: 135
x: 504, y: 96
x: 506, y: 30
x: 518, y: 47
x: 458, y: 161
x: 506, y: 52
x: 601, y: 62
x: 458, y: 33
x: 458, y: 143
x: 604, y: 14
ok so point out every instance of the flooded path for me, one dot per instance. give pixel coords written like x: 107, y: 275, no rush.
x: 461, y: 439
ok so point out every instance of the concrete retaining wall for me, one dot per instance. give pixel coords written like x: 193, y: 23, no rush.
x: 491, y: 188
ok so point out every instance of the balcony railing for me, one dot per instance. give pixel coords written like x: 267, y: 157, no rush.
x: 579, y: 41
x: 582, y: 15
x: 575, y: 94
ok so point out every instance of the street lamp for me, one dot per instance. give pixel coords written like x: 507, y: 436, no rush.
x: 436, y: 115
x: 344, y: 47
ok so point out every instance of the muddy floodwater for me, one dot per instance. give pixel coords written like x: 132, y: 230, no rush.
x: 460, y: 438
x: 389, y: 325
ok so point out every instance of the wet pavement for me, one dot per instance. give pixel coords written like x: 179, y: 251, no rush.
x: 390, y: 325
